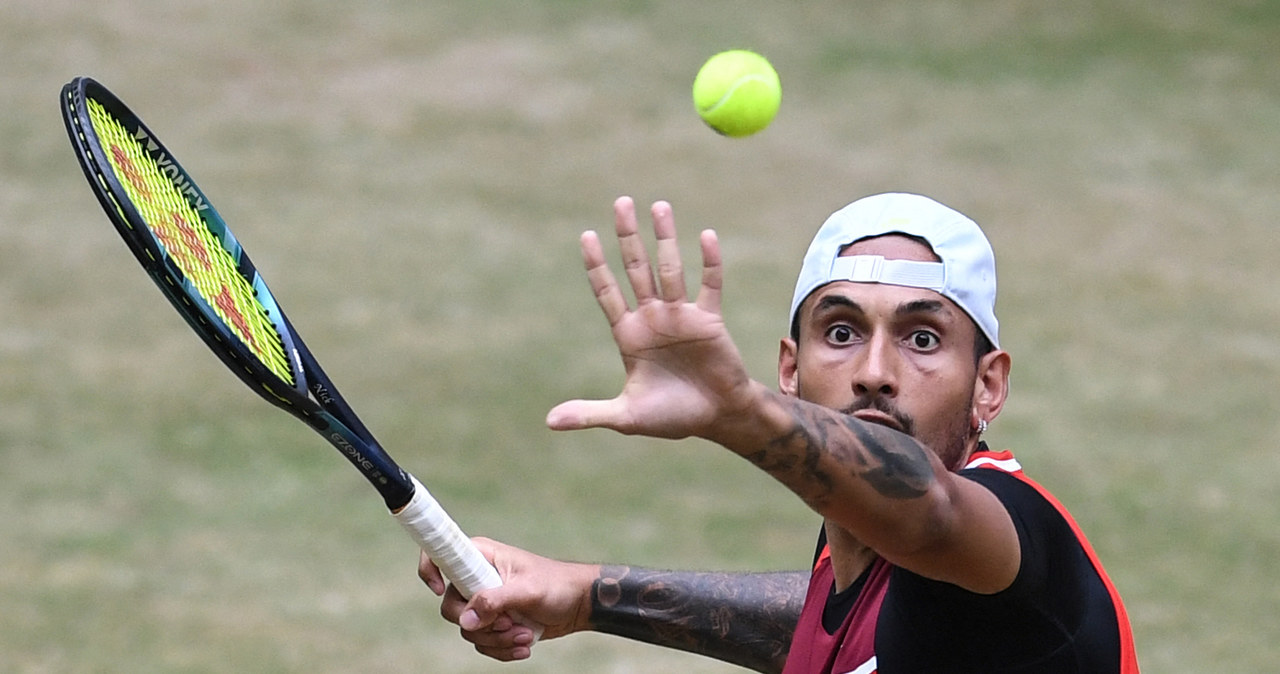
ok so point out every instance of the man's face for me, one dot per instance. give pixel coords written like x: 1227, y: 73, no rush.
x: 899, y: 356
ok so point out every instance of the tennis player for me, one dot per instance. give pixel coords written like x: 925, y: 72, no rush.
x: 936, y: 553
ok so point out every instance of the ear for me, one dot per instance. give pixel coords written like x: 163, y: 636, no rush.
x: 991, y: 386
x: 788, y: 369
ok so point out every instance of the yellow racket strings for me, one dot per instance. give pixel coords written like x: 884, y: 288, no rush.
x: 187, y: 240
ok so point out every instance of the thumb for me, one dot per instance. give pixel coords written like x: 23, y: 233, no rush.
x: 469, y: 620
x: 486, y: 609
x: 576, y: 415
x: 500, y: 609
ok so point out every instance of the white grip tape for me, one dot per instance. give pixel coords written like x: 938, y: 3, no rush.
x: 445, y: 543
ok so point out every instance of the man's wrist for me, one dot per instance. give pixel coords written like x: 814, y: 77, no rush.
x: 742, y: 428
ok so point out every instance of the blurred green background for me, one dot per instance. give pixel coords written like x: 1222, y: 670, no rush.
x: 412, y: 178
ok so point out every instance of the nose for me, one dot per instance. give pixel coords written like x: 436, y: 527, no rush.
x: 876, y: 369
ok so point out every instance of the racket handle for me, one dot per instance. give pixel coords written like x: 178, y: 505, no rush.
x: 443, y: 540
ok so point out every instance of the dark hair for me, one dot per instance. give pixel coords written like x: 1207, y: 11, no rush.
x: 981, y: 343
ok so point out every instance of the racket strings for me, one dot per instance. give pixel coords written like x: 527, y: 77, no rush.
x: 186, y: 240
x: 83, y: 144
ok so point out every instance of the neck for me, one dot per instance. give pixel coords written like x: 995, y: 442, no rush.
x: 972, y: 444
x: 849, y: 556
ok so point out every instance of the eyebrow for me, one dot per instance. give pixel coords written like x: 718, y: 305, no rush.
x: 830, y: 302
x: 920, y: 306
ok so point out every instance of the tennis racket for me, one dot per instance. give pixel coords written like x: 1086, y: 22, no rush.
x: 191, y: 254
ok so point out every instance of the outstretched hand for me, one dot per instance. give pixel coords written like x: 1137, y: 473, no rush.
x: 683, y: 373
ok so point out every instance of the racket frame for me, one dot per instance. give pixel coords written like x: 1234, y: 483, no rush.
x: 312, y: 398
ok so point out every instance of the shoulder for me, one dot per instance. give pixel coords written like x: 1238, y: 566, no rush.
x: 1050, y: 538
x: 1002, y: 474
x: 1060, y: 606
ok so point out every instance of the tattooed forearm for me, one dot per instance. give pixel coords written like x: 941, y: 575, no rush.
x: 899, y: 467
x: 745, y: 619
x: 892, y: 463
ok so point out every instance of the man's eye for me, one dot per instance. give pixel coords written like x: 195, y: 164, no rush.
x: 840, y: 334
x: 924, y: 340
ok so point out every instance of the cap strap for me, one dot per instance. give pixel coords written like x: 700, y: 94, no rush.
x: 876, y: 269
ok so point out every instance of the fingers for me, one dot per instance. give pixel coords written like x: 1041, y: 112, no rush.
x: 712, y: 273
x: 635, y: 259
x: 485, y: 621
x: 492, y: 633
x: 430, y: 574
x: 670, y: 269
x: 603, y: 284
x: 669, y: 285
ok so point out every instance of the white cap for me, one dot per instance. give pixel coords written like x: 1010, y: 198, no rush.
x: 966, y: 275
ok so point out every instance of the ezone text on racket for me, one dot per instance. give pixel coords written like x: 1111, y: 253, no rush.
x: 352, y: 451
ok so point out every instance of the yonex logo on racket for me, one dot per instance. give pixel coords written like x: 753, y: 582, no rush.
x: 169, y: 205
x: 169, y: 168
x: 166, y: 165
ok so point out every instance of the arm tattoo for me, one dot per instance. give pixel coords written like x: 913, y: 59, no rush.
x: 744, y: 619
x: 892, y: 463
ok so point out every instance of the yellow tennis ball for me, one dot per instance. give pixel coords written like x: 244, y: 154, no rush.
x: 737, y: 92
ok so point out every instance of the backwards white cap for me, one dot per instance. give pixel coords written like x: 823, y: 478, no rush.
x: 966, y: 275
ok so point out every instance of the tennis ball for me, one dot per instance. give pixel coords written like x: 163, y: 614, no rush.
x: 737, y: 93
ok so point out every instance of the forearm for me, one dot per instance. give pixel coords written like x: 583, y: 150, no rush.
x: 870, y: 479
x: 883, y: 488
x: 744, y: 619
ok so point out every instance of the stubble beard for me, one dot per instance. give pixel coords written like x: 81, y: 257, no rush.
x: 951, y: 441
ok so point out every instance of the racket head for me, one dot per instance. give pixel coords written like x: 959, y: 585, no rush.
x: 183, y: 243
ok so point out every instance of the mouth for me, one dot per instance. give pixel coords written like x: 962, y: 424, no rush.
x: 873, y: 416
